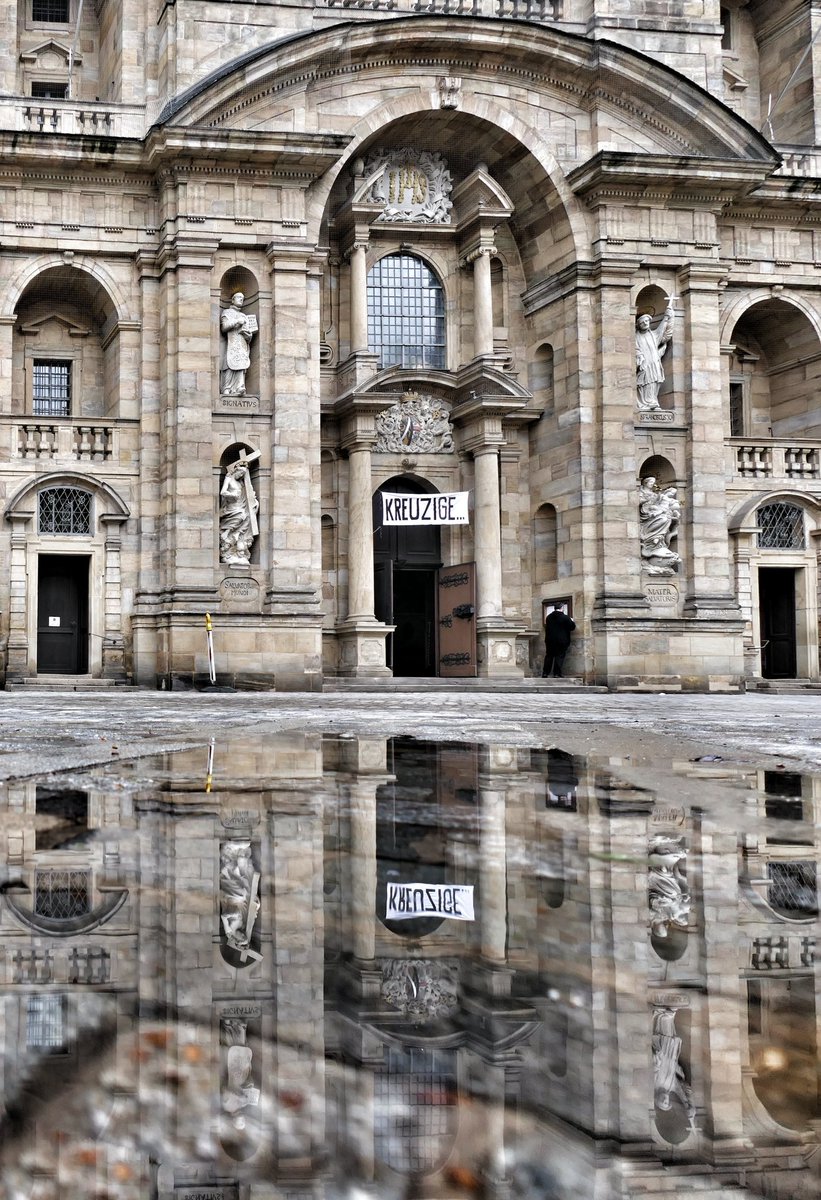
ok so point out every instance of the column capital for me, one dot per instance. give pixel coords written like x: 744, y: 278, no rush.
x: 470, y: 256
x: 358, y: 244
x: 285, y: 257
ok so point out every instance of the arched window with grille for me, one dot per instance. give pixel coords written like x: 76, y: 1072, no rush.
x: 64, y: 510
x: 781, y: 527
x: 406, y: 313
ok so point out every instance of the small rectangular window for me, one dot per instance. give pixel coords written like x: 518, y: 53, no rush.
x: 49, y: 90
x: 45, y: 1025
x: 51, y: 390
x: 51, y: 12
x: 736, y: 410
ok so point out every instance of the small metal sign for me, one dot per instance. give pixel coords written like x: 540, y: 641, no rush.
x: 54, y: 622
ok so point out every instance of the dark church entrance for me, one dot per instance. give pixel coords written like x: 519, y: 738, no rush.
x: 406, y: 558
x: 62, y: 614
x: 776, y: 606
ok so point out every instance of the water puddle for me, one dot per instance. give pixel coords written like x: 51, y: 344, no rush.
x: 338, y: 967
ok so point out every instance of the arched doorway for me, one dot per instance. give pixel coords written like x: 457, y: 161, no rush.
x: 406, y: 559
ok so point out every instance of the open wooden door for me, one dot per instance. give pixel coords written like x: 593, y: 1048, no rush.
x: 456, y: 620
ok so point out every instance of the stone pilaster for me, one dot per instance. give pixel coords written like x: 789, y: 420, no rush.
x: 113, y: 653
x: 17, y: 658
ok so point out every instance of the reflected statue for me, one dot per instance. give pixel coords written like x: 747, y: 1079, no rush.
x: 238, y: 513
x: 238, y: 1091
x: 659, y: 513
x: 238, y: 328
x: 651, y: 345
x: 667, y: 885
x: 669, y: 1079
x: 239, y: 897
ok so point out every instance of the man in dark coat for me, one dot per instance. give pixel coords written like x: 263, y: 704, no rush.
x: 558, y: 627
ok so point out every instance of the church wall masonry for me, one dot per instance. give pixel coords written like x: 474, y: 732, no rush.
x: 205, y: 313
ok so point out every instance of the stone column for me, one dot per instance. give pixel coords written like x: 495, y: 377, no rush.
x: 17, y: 663
x: 482, y: 301
x: 7, y: 325
x: 359, y: 297
x: 492, y: 870
x: 488, y: 532
x: 362, y: 794
x: 113, y: 656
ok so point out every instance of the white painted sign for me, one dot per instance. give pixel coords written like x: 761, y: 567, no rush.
x: 54, y: 622
x: 408, y: 900
x: 443, y: 508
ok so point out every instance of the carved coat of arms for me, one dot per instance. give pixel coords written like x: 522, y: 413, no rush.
x: 412, y: 185
x: 420, y: 424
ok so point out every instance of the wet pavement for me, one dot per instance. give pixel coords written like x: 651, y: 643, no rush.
x: 412, y: 945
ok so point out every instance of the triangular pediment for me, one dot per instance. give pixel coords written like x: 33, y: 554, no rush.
x: 50, y: 50
x: 35, y: 327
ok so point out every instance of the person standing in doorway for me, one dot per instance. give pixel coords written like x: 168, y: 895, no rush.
x: 558, y: 627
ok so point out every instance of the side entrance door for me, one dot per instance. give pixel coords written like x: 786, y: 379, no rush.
x: 62, y: 614
x: 456, y: 597
x: 776, y: 606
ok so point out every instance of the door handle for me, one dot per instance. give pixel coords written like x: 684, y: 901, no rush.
x: 464, y: 611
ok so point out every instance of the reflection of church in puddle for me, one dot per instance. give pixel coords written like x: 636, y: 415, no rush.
x: 632, y: 1005
x: 265, y: 263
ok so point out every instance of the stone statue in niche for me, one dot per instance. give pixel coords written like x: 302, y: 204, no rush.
x: 238, y: 512
x: 418, y: 423
x: 669, y: 1079
x: 238, y: 328
x: 667, y: 886
x: 659, y: 513
x: 238, y: 1091
x: 651, y: 345
x: 239, y: 897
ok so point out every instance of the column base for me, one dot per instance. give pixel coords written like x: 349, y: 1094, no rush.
x: 362, y: 649
x: 496, y: 649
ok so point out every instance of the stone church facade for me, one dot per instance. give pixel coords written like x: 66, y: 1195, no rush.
x: 261, y: 264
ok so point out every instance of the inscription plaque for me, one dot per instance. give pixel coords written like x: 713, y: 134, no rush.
x: 239, y: 591
x: 656, y: 416
x: 663, y: 595
x: 237, y: 404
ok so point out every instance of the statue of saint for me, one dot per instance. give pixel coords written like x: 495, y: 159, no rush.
x: 239, y: 897
x: 238, y: 514
x: 667, y: 887
x: 238, y: 328
x: 651, y: 345
x: 669, y: 1079
x: 659, y: 513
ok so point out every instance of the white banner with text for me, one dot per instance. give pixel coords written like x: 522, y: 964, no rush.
x: 407, y: 900
x: 442, y: 508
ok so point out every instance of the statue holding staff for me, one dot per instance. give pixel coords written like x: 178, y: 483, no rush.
x: 651, y: 345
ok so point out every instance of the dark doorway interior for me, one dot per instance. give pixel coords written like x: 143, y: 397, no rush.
x: 776, y: 606
x: 62, y: 614
x: 406, y: 558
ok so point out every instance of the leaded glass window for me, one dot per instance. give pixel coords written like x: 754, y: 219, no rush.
x: 406, y: 313
x: 62, y: 895
x: 781, y: 527
x: 45, y: 1025
x: 64, y: 510
x: 793, y: 888
x: 53, y: 12
x: 51, y: 386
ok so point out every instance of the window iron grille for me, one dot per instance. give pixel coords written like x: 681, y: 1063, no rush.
x: 62, y: 895
x: 793, y: 889
x: 52, y: 12
x: 406, y: 313
x: 415, y: 1093
x: 45, y: 1025
x: 781, y: 527
x: 51, y: 378
x: 64, y: 510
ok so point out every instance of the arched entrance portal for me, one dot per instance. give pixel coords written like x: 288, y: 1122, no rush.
x: 406, y: 560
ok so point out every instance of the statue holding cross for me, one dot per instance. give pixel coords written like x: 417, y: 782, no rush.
x: 238, y: 512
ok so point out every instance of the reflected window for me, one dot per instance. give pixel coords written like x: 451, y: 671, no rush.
x: 45, y: 1022
x: 62, y: 895
x: 781, y: 527
x: 406, y: 313
x: 62, y: 818
x: 793, y: 889
x: 64, y: 510
x: 415, y: 1108
x: 562, y: 780
x: 783, y: 803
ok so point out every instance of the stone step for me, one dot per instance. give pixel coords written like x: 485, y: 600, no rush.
x: 433, y: 684
x: 65, y: 683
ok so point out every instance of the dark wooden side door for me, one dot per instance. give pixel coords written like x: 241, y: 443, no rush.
x: 62, y: 614
x: 456, y: 597
x: 776, y: 606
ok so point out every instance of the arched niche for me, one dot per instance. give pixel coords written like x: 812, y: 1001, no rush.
x: 230, y: 455
x: 540, y: 376
x: 772, y: 385
x: 239, y: 279
x: 781, y: 1023
x: 545, y: 545
x: 659, y: 468
x: 72, y: 356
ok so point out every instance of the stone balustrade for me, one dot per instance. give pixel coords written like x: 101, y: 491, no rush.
x: 774, y: 458
x: 521, y: 10
x: 28, y: 114
x: 78, y: 440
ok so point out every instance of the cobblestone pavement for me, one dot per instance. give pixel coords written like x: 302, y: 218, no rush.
x: 51, y: 730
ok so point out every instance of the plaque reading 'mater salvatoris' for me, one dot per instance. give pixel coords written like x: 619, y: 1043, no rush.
x: 661, y: 595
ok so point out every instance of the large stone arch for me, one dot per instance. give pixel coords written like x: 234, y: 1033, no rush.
x: 90, y: 266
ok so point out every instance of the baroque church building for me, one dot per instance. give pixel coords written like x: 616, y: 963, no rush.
x: 274, y: 276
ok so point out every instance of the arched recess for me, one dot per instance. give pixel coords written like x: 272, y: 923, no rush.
x: 238, y: 280
x: 406, y: 558
x: 75, y: 355
x: 239, y: 541
x: 76, y: 574
x: 774, y: 539
x: 783, y: 1049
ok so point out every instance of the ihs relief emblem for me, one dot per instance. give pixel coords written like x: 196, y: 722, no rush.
x: 412, y: 185
x: 420, y: 424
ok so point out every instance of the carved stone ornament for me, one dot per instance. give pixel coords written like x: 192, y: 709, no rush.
x: 420, y: 424
x: 412, y: 185
x: 668, y: 892
x: 450, y: 91
x: 422, y: 989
